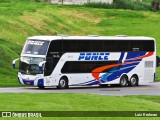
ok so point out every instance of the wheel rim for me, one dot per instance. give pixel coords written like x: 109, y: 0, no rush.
x: 62, y: 83
x: 133, y: 81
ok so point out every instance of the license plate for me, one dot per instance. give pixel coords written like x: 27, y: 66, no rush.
x: 28, y: 83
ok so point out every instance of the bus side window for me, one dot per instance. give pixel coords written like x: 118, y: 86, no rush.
x: 148, y: 45
x: 110, y: 45
x: 69, y: 45
x: 48, y: 66
x: 54, y: 48
x: 97, y: 45
x: 122, y: 45
x: 83, y: 46
x: 136, y: 45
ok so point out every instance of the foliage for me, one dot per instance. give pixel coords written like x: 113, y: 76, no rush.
x: 121, y: 4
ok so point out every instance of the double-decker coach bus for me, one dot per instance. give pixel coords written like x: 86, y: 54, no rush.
x: 64, y: 61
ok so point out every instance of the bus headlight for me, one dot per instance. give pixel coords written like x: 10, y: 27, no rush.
x: 19, y: 74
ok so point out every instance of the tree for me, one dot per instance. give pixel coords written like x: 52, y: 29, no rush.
x: 62, y: 1
x: 155, y: 5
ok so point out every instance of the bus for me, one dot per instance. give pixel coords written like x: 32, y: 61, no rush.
x: 64, y: 61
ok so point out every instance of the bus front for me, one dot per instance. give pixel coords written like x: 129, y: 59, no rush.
x: 32, y: 61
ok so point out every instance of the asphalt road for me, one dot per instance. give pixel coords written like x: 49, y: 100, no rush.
x: 149, y: 89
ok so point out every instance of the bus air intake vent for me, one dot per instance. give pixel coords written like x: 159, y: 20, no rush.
x: 148, y: 64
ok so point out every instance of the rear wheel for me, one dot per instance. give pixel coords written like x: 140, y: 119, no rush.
x: 133, y: 81
x: 123, y: 81
x: 63, y: 83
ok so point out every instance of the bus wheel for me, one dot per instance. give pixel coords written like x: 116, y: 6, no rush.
x: 123, y: 81
x: 63, y: 83
x: 133, y: 81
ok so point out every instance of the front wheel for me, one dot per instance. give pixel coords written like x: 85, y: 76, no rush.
x: 63, y: 83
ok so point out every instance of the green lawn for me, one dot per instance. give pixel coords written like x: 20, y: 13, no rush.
x: 77, y: 102
x: 38, y: 18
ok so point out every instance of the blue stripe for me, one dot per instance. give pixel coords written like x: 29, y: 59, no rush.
x: 121, y: 57
x: 124, y: 68
x: 40, y: 83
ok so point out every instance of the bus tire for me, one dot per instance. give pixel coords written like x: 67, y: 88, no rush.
x: 123, y: 81
x: 133, y: 80
x: 63, y: 83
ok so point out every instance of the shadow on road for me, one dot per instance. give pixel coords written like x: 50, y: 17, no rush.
x: 88, y: 87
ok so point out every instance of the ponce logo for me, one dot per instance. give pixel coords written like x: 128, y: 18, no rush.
x: 93, y: 56
x: 35, y: 42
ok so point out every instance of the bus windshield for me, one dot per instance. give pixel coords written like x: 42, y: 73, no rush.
x: 30, y: 65
x: 36, y: 47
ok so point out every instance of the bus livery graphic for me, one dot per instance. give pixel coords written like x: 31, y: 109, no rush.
x: 130, y: 61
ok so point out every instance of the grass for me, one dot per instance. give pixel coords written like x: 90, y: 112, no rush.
x: 39, y: 18
x: 77, y: 102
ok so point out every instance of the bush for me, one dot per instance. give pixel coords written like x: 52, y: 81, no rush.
x: 3, y: 1
x: 130, y: 4
x: 121, y: 4
x: 99, y: 5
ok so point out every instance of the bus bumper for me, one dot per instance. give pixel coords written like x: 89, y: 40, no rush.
x: 38, y: 82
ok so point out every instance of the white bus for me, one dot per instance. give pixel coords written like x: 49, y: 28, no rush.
x: 64, y: 61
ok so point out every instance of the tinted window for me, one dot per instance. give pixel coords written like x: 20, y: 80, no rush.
x: 55, y: 46
x: 49, y: 66
x: 85, y: 66
x: 122, y: 45
x: 148, y: 45
x: 97, y: 45
x: 136, y: 45
x: 110, y: 45
x: 53, y: 56
x: 69, y: 45
x: 101, y: 45
x: 83, y: 46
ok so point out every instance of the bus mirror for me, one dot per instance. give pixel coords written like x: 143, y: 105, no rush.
x: 41, y: 65
x: 157, y: 61
x: 14, y: 63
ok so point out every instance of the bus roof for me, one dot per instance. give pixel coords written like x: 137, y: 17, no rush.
x: 119, y: 37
